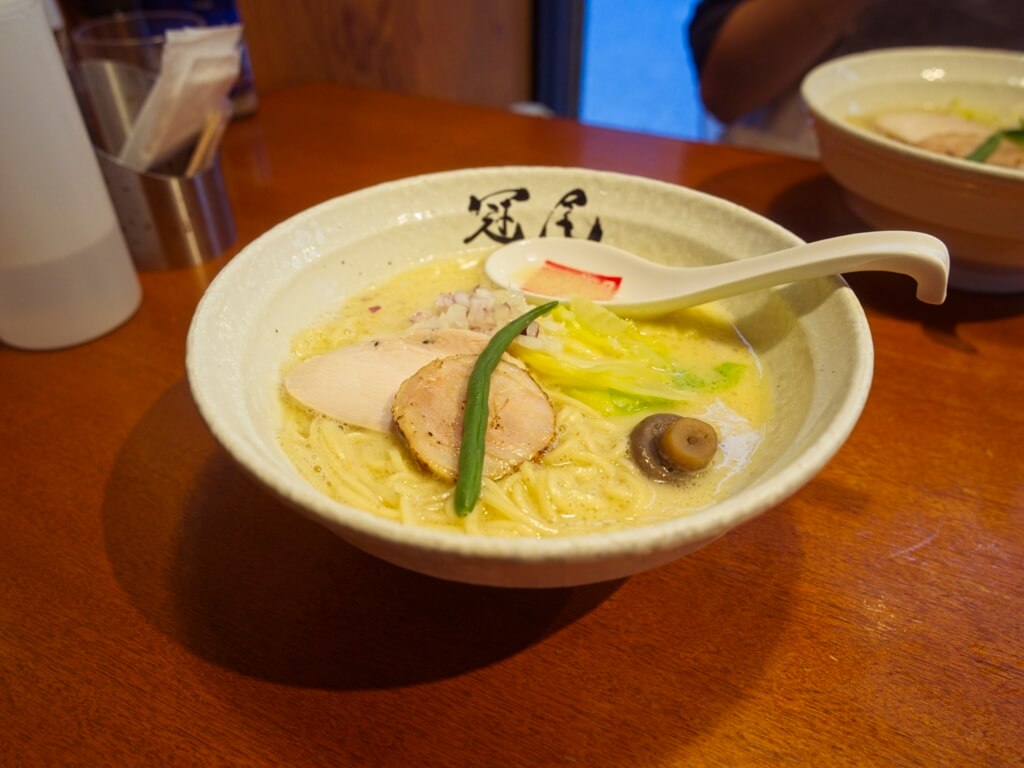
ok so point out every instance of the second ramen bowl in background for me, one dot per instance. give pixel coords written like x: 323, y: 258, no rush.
x: 976, y: 209
x: 812, y: 337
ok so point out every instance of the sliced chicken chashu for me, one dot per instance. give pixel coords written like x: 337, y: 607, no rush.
x: 920, y: 127
x: 428, y: 412
x: 356, y: 384
x: 948, y: 135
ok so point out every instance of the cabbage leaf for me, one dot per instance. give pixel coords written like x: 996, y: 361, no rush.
x: 610, y: 364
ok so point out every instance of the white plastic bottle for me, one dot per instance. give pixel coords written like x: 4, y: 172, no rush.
x: 66, y: 275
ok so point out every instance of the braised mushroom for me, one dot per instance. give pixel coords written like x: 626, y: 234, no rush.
x: 666, y: 447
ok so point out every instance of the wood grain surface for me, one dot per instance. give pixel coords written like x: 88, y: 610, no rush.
x: 463, y: 50
x: 158, y: 607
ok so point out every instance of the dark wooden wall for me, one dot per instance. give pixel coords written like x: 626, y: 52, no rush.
x: 464, y: 50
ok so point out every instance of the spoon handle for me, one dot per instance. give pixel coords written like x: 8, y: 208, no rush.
x: 916, y: 254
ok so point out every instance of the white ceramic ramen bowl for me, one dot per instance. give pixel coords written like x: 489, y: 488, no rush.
x: 812, y: 336
x: 976, y: 209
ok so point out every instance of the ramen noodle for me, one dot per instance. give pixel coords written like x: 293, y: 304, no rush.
x: 586, y: 480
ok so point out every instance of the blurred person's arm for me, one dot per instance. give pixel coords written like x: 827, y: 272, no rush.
x: 764, y: 47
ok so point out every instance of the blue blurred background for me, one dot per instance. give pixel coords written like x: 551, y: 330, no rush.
x: 637, y: 73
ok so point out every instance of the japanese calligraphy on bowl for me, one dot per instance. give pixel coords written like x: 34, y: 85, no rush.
x: 498, y: 221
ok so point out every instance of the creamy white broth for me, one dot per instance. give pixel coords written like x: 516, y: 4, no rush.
x: 584, y: 482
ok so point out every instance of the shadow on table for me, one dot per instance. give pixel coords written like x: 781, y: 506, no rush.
x: 894, y: 295
x: 216, y: 561
x: 811, y: 207
x: 814, y: 208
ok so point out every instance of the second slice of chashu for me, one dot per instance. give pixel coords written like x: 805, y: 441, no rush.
x: 428, y: 412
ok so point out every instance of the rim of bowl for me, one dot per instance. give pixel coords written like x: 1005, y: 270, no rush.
x: 703, y: 524
x: 814, y: 97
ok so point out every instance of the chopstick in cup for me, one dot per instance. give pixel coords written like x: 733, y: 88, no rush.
x: 209, y: 140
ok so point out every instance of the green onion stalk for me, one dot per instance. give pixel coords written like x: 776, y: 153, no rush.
x: 475, y: 416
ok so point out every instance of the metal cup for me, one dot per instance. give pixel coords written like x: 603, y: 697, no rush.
x: 135, y: 38
x: 168, y: 219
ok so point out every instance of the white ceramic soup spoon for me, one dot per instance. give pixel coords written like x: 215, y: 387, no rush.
x: 546, y: 268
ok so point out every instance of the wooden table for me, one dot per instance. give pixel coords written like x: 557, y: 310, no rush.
x: 159, y: 607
